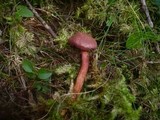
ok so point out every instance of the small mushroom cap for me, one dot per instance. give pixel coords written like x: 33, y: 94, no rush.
x: 83, y: 41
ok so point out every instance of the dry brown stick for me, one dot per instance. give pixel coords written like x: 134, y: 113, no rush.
x: 145, y: 8
x: 41, y: 20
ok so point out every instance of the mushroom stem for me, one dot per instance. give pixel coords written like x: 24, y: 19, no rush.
x: 82, y: 74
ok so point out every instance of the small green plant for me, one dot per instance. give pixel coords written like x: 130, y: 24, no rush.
x: 20, y: 12
x: 20, y: 39
x: 41, y: 76
x: 137, y: 38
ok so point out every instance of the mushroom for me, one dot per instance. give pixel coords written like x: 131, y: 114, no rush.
x: 85, y: 43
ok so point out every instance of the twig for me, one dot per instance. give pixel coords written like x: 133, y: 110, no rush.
x: 41, y: 20
x: 145, y: 8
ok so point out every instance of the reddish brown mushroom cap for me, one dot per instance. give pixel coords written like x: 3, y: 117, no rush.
x: 83, y: 41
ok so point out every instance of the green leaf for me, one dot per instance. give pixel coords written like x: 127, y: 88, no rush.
x: 44, y: 74
x: 23, y: 11
x: 134, y: 41
x: 27, y: 66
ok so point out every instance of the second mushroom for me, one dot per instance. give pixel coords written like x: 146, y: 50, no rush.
x: 85, y: 43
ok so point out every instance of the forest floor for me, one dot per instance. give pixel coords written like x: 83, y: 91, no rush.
x: 38, y: 69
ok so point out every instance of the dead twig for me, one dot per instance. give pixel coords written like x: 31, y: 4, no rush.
x: 41, y: 19
x: 145, y: 8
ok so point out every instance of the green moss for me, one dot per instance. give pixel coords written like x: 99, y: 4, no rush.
x: 21, y: 40
x: 119, y: 95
